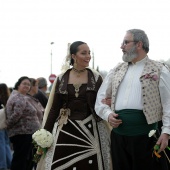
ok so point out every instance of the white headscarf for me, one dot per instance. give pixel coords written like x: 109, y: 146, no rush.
x: 66, y: 64
x: 49, y: 104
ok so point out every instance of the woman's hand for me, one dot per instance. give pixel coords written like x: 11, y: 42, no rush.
x: 107, y: 101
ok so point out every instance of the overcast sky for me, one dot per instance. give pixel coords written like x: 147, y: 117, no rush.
x: 27, y: 28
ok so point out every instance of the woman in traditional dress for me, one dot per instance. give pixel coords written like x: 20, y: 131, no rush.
x: 81, y: 138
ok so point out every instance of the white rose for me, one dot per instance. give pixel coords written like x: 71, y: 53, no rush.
x: 43, y: 138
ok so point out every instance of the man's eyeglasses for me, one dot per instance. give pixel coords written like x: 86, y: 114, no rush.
x: 125, y: 42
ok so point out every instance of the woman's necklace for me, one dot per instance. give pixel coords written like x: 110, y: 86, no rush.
x: 78, y: 71
x: 77, y: 86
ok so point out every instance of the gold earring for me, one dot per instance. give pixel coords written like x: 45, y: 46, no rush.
x: 75, y: 63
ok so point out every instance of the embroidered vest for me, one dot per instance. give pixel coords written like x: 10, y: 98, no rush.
x: 149, y: 79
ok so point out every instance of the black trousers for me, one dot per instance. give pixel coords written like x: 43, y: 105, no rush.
x: 22, y: 156
x: 135, y: 153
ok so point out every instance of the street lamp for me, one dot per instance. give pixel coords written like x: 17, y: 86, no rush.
x: 51, y: 55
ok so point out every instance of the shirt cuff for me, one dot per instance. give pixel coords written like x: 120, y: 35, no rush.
x: 106, y: 115
x: 166, y: 130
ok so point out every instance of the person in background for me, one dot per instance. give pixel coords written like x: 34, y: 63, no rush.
x: 5, y: 150
x: 41, y: 94
x: 42, y: 84
x: 23, y: 119
x: 40, y: 111
x: 81, y: 138
x: 139, y: 89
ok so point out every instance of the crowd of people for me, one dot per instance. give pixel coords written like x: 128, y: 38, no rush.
x: 97, y: 123
x: 24, y: 114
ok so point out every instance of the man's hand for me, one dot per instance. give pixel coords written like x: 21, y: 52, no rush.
x: 163, y: 141
x: 112, y: 119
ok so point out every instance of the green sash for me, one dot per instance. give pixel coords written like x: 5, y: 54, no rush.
x: 133, y: 123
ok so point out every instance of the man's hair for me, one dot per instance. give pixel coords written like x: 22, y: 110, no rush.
x: 42, y: 82
x: 140, y: 35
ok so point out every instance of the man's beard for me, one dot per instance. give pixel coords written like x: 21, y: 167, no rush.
x: 130, y: 55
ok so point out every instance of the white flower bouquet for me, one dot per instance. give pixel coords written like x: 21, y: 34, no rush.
x: 42, y: 140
